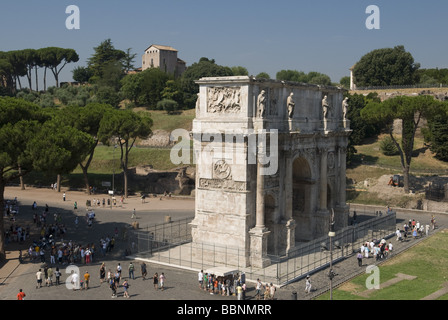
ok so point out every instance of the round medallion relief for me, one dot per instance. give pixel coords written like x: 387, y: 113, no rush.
x: 221, y: 169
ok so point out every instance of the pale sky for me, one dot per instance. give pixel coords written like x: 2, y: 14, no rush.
x: 327, y: 36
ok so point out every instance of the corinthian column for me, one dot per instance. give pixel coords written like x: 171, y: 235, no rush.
x: 260, y: 197
x: 342, y: 175
x: 323, y: 179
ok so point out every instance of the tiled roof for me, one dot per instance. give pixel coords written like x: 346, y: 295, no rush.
x: 160, y: 47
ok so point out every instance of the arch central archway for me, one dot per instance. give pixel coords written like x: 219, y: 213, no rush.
x: 301, y: 207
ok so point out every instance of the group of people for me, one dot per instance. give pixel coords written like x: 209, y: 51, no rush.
x: 114, y: 278
x: 376, y: 249
x: 16, y: 233
x: 224, y: 285
x: 47, y: 276
x: 233, y: 285
x: 264, y: 292
x: 414, y: 228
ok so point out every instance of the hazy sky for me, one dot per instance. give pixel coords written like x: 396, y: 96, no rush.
x: 327, y: 36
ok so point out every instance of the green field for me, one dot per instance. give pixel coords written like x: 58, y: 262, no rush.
x: 423, y: 161
x: 426, y: 261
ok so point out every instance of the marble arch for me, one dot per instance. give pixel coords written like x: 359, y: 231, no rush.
x: 261, y: 207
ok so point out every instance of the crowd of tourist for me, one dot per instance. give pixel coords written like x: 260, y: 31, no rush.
x: 233, y: 285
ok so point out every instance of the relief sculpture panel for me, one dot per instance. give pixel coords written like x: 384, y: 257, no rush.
x: 224, y: 100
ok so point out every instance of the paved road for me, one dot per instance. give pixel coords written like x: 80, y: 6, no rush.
x: 180, y: 284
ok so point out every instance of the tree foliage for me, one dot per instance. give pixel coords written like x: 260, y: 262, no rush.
x: 104, y: 54
x: 204, y: 68
x: 361, y: 129
x: 411, y: 110
x: 31, y: 140
x: 386, y: 67
x: 124, y: 127
x: 302, y: 77
x: 436, y: 134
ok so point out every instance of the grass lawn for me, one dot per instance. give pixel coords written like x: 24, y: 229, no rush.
x: 169, y: 122
x: 427, y: 261
x: 423, y: 161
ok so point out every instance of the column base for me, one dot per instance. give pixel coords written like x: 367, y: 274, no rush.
x: 258, y: 247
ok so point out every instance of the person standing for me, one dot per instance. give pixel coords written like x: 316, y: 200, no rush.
x: 272, y: 292
x: 258, y: 287
x: 244, y: 290
x: 102, y: 272
x: 39, y: 278
x: 162, y: 279
x: 131, y: 271
x: 155, y: 279
x: 50, y: 276
x: 201, y: 279
x: 359, y: 258
x: 21, y: 295
x: 119, y: 270
x: 57, y: 273
x: 86, y: 280
x: 239, y: 291
x: 75, y: 280
x: 63, y: 196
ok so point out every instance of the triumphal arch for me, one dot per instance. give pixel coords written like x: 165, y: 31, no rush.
x: 271, y: 165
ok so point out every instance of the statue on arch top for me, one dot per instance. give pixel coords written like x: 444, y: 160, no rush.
x: 344, y: 108
x: 291, y: 105
x: 325, y: 107
x: 261, y: 103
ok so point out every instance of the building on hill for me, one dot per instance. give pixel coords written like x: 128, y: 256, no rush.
x: 164, y: 58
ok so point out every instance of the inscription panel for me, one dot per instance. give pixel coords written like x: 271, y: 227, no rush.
x: 221, y: 184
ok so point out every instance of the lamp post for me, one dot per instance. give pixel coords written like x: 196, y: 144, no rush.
x: 331, y: 234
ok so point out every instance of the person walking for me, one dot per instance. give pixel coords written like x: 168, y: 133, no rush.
x: 398, y: 233
x: 113, y: 287
x: 21, y: 295
x: 308, y: 284
x: 125, y: 288
x: 133, y: 216
x: 143, y: 269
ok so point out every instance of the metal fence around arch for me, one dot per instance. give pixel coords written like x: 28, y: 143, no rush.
x: 171, y: 244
